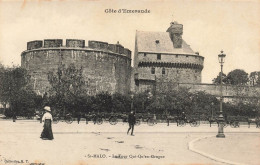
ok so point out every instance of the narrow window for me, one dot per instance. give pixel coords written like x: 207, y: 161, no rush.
x: 153, y: 70
x: 157, y: 41
x: 187, y: 56
x: 144, y: 54
x: 163, y: 70
x: 158, y: 56
x: 177, y: 56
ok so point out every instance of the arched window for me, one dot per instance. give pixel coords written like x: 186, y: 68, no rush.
x: 163, y: 70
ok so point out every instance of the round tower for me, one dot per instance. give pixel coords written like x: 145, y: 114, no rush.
x: 104, y: 69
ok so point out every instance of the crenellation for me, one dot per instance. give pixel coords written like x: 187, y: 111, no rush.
x: 98, y: 45
x: 75, y: 43
x: 112, y: 47
x: 48, y: 43
x: 34, y: 44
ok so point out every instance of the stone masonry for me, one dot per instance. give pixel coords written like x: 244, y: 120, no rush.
x: 165, y: 57
x: 106, y: 67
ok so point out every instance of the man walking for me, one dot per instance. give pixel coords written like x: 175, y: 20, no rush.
x: 131, y: 121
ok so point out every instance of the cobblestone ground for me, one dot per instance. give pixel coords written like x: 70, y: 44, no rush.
x: 79, y: 144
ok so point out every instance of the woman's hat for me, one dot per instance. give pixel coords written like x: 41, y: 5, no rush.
x: 47, y: 108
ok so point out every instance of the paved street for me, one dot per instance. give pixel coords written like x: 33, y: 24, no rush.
x: 76, y: 144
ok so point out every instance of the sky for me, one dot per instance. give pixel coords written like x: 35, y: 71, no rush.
x: 208, y: 27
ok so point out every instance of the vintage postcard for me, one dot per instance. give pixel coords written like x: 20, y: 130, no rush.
x: 143, y: 82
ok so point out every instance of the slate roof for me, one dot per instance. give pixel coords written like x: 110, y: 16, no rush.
x: 146, y: 42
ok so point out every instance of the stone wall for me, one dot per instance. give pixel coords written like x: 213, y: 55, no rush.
x: 227, y: 90
x: 34, y: 45
x: 177, y: 74
x: 171, y: 58
x: 52, y: 43
x: 102, y: 70
x: 171, y: 68
x: 98, y: 45
x: 75, y: 43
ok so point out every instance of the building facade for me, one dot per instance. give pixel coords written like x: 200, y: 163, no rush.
x: 164, y: 58
x: 106, y: 67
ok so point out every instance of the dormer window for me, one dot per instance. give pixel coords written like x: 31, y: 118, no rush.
x: 158, y: 56
x: 157, y: 41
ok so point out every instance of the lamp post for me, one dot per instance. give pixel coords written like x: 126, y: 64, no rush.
x: 221, y: 58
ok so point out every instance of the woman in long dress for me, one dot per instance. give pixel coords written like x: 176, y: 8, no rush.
x: 47, y: 119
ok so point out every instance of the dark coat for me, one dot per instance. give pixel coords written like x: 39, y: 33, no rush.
x: 131, y: 118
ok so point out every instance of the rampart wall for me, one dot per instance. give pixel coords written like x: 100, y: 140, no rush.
x: 228, y: 91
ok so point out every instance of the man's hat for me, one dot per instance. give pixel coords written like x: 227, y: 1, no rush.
x: 47, y: 108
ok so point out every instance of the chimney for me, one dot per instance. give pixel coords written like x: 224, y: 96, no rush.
x: 175, y: 31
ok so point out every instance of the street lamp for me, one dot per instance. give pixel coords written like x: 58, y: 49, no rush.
x: 221, y: 58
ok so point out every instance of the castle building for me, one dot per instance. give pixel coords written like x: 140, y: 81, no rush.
x: 106, y: 67
x: 164, y: 58
x: 162, y: 61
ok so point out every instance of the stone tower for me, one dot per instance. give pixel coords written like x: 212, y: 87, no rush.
x: 106, y: 67
x: 162, y: 59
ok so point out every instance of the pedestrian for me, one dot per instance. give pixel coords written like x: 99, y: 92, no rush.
x: 131, y: 121
x: 183, y: 116
x: 257, y: 122
x: 14, y: 117
x: 78, y: 117
x: 87, y: 116
x: 47, y: 119
x: 94, y: 118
